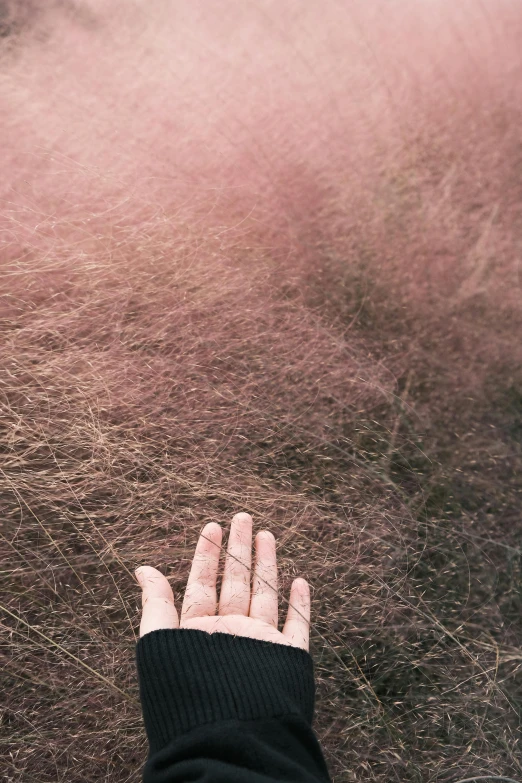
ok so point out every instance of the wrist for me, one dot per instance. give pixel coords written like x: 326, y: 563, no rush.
x: 189, y: 677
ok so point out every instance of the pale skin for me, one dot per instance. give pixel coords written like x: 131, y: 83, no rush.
x: 243, y: 609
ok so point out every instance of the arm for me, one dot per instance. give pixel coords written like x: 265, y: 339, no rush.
x: 227, y: 698
x: 223, y: 709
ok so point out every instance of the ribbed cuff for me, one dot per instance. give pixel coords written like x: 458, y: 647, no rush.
x: 189, y: 677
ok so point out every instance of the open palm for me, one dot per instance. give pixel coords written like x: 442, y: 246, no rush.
x: 240, y: 611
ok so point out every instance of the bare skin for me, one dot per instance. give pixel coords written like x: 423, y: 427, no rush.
x: 240, y: 611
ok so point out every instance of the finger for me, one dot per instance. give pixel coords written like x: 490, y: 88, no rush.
x: 264, y: 600
x: 157, y: 601
x: 201, y: 595
x: 235, y: 588
x: 297, y: 625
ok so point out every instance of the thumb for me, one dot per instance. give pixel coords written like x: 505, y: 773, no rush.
x: 157, y: 601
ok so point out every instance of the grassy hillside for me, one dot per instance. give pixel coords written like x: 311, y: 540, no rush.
x: 264, y: 257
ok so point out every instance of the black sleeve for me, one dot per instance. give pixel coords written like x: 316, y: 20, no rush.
x: 220, y: 708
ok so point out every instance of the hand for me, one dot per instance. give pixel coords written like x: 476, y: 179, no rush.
x: 239, y: 613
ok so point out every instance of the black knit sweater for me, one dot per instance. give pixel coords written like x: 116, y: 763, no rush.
x: 227, y: 709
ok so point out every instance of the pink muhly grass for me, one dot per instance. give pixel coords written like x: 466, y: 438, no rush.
x: 264, y: 258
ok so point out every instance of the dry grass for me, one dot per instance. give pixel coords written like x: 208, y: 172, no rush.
x: 280, y: 278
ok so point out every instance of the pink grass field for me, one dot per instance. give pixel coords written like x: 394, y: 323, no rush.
x: 264, y: 257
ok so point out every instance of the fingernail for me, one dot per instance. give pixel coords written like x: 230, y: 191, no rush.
x: 138, y: 574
